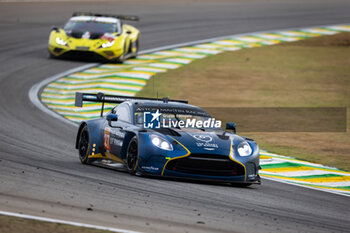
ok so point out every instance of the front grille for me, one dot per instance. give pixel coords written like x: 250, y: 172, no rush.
x: 82, y: 48
x: 109, y: 53
x: 57, y: 50
x: 206, y: 164
x: 84, y: 55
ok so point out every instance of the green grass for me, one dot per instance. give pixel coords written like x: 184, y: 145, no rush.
x: 21, y: 225
x: 309, y: 73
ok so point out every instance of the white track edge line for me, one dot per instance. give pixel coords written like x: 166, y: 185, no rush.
x: 304, y: 186
x: 77, y: 224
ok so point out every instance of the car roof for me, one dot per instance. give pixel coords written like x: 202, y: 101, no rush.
x: 164, y: 105
x: 100, y: 19
x: 160, y: 102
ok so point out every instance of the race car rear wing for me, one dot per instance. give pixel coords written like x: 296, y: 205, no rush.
x: 122, y: 17
x: 116, y: 99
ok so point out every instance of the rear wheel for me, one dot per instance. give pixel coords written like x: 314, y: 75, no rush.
x: 84, y: 145
x: 132, y: 155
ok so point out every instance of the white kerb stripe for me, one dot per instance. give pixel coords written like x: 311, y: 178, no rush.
x: 52, y: 220
x: 340, y: 28
x: 304, y: 173
x: 318, y: 31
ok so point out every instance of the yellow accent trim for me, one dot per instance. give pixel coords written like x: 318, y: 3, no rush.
x: 137, y: 162
x: 170, y: 159
x: 245, y: 169
x: 108, y: 156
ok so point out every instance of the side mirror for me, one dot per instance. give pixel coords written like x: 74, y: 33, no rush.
x: 231, y: 125
x: 54, y: 28
x: 110, y: 118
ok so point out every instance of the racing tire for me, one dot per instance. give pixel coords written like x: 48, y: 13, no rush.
x: 137, y: 48
x: 132, y: 156
x: 84, y: 145
x: 51, y: 56
x: 121, y: 58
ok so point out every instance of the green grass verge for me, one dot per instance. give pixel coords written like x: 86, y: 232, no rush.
x: 21, y: 225
x: 309, y: 73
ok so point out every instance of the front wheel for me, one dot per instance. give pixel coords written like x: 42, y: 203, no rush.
x: 137, y: 48
x: 84, y: 145
x: 132, y: 156
x: 121, y: 58
x: 51, y: 56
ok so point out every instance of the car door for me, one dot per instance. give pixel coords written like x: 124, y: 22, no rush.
x: 117, y: 133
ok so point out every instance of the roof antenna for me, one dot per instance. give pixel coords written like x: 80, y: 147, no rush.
x: 157, y: 96
x: 153, y: 86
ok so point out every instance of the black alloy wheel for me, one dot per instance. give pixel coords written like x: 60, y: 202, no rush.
x: 132, y: 155
x: 84, y: 145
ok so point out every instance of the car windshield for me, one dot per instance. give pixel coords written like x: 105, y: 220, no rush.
x: 139, y: 116
x: 90, y: 26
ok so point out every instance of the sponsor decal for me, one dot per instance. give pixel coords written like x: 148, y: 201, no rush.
x: 117, y: 137
x: 86, y: 35
x: 207, y: 144
x: 209, y: 148
x: 106, y: 139
x: 204, y: 140
x: 108, y: 36
x: 150, y: 168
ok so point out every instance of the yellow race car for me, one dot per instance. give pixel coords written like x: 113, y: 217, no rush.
x: 95, y: 36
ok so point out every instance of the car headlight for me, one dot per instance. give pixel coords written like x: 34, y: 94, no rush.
x: 244, y: 149
x: 108, y: 44
x: 161, y: 142
x: 61, y: 41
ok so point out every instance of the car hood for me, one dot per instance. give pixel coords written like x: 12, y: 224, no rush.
x: 88, y: 42
x: 207, y: 142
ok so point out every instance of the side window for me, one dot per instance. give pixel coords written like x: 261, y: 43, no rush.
x: 123, y: 113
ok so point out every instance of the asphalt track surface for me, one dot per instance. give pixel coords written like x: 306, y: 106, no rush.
x: 40, y: 173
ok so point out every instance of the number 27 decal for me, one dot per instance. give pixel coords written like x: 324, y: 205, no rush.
x: 106, y: 138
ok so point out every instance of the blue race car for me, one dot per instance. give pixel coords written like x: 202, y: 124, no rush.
x: 167, y: 138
